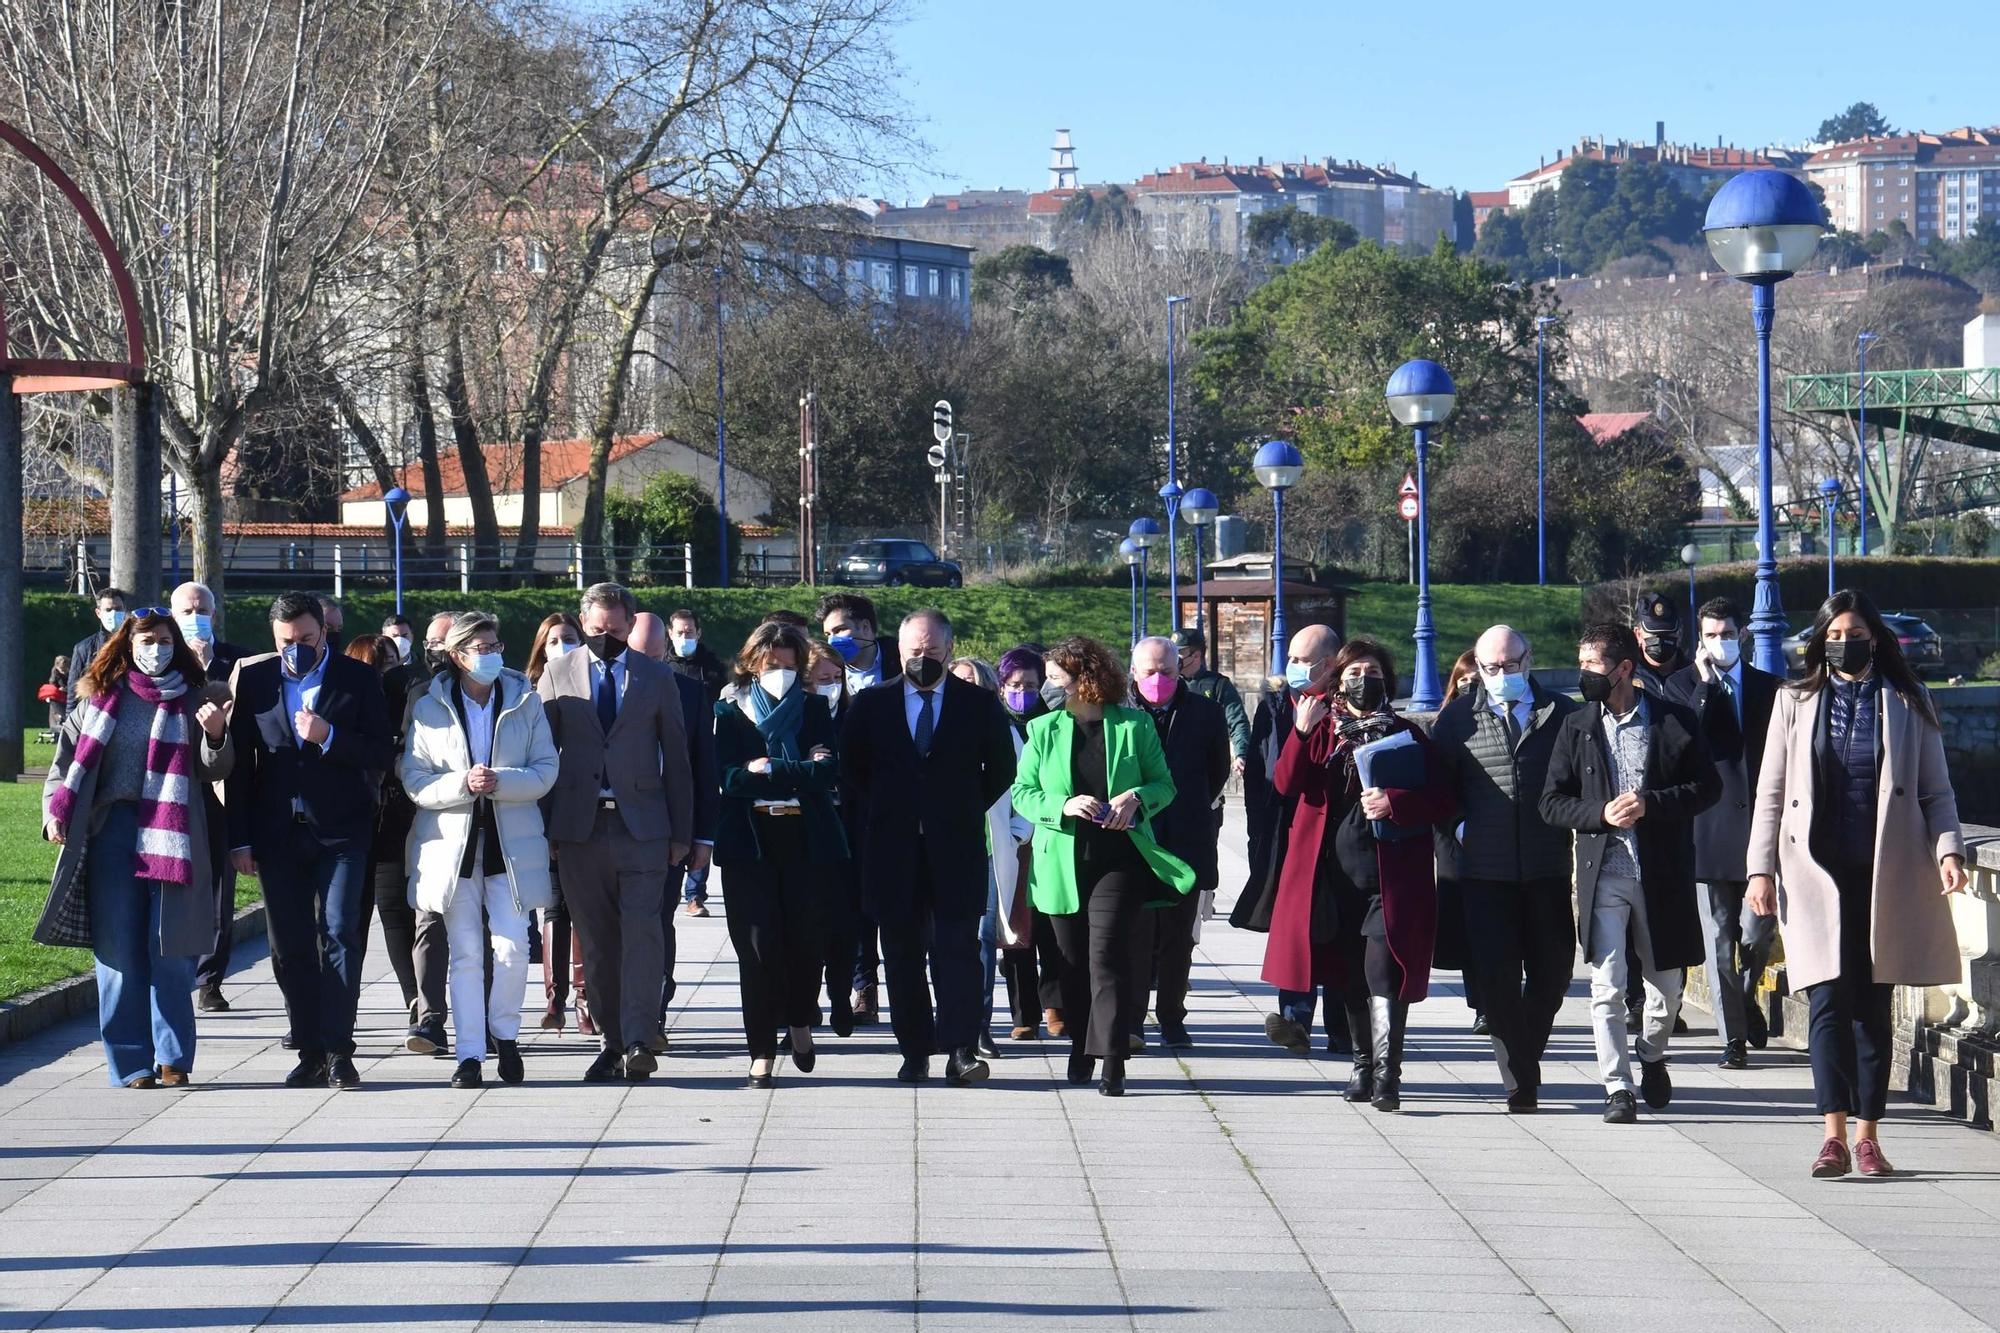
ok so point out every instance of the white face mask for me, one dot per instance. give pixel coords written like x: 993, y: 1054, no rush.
x: 557, y: 648
x: 829, y: 691
x: 1722, y: 651
x: 153, y: 658
x: 777, y: 682
x: 111, y: 620
x: 402, y: 643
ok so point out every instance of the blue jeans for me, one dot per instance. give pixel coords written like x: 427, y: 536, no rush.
x: 695, y: 888
x: 145, y: 1001
x: 989, y: 958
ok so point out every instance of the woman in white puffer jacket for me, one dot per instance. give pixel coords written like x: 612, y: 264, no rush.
x: 478, y: 758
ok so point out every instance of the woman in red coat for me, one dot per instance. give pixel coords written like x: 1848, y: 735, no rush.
x: 1355, y: 913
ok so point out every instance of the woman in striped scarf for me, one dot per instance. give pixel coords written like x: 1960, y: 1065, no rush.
x: 134, y: 882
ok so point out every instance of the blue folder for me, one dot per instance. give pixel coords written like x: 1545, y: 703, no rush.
x: 1394, y: 762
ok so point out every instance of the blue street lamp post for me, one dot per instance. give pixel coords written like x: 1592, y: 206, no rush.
x: 1829, y: 492
x: 1541, y: 456
x: 1130, y: 550
x: 1199, y: 508
x: 1421, y: 395
x: 1277, y: 466
x: 721, y: 442
x: 1145, y: 534
x: 1762, y: 227
x: 398, y: 502
x: 1861, y: 341
x: 1691, y: 556
x: 1170, y: 494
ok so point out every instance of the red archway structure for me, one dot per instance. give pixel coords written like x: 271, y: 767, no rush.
x: 45, y: 375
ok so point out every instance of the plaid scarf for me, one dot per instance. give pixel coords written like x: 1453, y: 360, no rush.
x: 166, y: 849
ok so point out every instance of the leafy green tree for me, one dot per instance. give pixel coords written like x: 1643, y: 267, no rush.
x: 1018, y: 275
x: 648, y: 529
x: 1089, y: 212
x: 1859, y: 121
x: 1285, y: 234
x: 1504, y: 241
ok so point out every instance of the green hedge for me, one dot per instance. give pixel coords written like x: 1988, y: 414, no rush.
x: 1892, y: 581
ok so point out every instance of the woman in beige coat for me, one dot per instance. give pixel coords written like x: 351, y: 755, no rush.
x: 1856, y: 822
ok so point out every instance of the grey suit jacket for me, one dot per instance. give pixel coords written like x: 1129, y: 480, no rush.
x: 643, y: 760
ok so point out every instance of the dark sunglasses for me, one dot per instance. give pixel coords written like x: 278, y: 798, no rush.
x: 153, y: 613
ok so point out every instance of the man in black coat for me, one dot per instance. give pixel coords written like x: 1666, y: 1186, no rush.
x: 195, y: 610
x: 927, y: 753
x: 1495, y: 743
x: 1656, y: 623
x: 313, y: 737
x: 1629, y: 773
x: 110, y: 607
x: 1733, y: 700
x: 1194, y: 733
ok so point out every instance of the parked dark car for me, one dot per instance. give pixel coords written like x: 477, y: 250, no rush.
x: 1921, y: 645
x: 895, y: 561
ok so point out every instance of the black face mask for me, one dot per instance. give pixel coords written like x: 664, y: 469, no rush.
x: 1595, y: 686
x: 436, y: 659
x: 1660, y: 647
x: 923, y: 672
x: 1850, y: 656
x: 1363, y: 693
x: 606, y: 646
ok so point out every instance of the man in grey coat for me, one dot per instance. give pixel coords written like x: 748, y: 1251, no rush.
x: 1495, y: 744
x: 621, y: 809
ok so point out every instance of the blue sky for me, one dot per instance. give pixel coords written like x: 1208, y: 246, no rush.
x: 1464, y: 95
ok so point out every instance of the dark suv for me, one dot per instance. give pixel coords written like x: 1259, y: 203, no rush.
x: 1921, y: 644
x: 895, y: 561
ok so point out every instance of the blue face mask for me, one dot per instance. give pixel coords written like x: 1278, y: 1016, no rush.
x: 299, y: 659
x: 846, y: 645
x: 485, y: 668
x: 1298, y: 675
x: 685, y: 647
x: 195, y: 625
x: 1509, y: 687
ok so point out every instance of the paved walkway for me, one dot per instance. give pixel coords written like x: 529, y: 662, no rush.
x: 1232, y: 1188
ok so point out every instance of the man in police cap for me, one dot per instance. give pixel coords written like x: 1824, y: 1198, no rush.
x: 1656, y: 623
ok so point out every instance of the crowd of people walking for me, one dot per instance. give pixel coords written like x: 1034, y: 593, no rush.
x: 881, y: 808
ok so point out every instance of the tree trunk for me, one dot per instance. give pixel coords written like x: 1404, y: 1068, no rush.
x: 205, y: 527
x: 472, y: 459
x: 604, y: 425
x: 417, y: 386
x: 378, y: 460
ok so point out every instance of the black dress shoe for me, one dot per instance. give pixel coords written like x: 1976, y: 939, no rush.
x: 760, y: 1081
x: 914, y: 1070
x: 468, y: 1075
x: 1523, y: 1101
x: 425, y: 1038
x: 987, y: 1050
x: 1680, y: 1026
x: 1112, y: 1084
x: 341, y: 1074
x: 840, y: 1013
x: 804, y: 1061
x: 288, y: 1042
x: 1175, y: 1036
x: 211, y: 1000
x: 1480, y: 1027
x: 1621, y: 1109
x: 1734, y: 1056
x: 964, y: 1067
x: 1081, y: 1067
x: 308, y: 1073
x: 508, y: 1056
x: 606, y: 1068
x: 1654, y: 1084
x: 640, y: 1062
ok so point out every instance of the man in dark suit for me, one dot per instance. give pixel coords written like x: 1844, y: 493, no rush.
x: 1195, y: 735
x: 1629, y: 773
x: 621, y: 810
x: 1733, y: 700
x: 313, y: 737
x: 649, y: 636
x: 110, y: 607
x: 195, y: 609
x: 927, y: 753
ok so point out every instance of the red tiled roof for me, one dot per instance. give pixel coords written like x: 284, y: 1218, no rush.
x: 1050, y: 201
x: 562, y: 461
x: 1487, y: 198
x: 1909, y: 145
x: 1604, y: 427
x: 1202, y: 178
x: 355, y: 531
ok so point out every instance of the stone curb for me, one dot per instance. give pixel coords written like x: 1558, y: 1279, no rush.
x: 38, y: 1010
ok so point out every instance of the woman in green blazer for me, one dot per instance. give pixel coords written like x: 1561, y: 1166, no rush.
x: 1090, y: 780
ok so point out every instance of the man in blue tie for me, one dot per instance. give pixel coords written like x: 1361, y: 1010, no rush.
x: 622, y: 809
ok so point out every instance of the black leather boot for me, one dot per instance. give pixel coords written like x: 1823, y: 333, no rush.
x: 1361, y: 1079
x: 1385, y: 1027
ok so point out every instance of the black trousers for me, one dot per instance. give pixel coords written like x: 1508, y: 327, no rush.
x: 1024, y: 983
x: 774, y: 925
x: 214, y: 966
x: 316, y: 913
x: 841, y: 924
x: 1521, y: 940
x: 1172, y: 952
x: 670, y: 908
x: 1104, y: 947
x: 1849, y: 1035
x: 922, y: 951
x: 1048, y: 961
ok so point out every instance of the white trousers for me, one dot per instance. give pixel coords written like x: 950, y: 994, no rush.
x: 1619, y: 904
x: 474, y: 1014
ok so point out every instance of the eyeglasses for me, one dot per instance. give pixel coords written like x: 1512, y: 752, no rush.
x: 153, y: 613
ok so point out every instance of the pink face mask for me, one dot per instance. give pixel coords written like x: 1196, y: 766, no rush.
x: 1156, y: 690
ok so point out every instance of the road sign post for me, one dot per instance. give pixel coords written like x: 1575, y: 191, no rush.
x: 1407, y: 507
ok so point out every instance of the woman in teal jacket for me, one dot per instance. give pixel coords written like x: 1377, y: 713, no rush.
x: 1090, y: 780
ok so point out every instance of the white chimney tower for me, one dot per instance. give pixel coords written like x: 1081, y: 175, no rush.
x: 1062, y: 163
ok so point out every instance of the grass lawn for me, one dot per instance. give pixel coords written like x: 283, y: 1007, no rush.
x: 1551, y: 617
x: 26, y: 863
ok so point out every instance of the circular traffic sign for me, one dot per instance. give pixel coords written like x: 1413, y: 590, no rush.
x: 1409, y: 508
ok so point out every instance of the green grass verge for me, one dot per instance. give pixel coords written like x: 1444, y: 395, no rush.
x: 1551, y: 617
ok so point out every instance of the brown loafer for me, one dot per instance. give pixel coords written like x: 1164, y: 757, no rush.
x: 1022, y: 1032
x: 1868, y: 1159
x: 1052, y: 1019
x: 143, y: 1081
x: 1833, y: 1160
x: 171, y: 1077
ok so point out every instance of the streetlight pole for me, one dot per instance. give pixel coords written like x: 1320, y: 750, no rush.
x: 1130, y: 550
x: 1170, y: 494
x: 1861, y: 341
x: 1144, y: 534
x: 1691, y: 556
x: 1421, y: 395
x: 1762, y: 227
x: 1541, y: 455
x: 721, y: 443
x: 1829, y: 492
x: 397, y: 501
x: 1277, y: 465
x: 1199, y: 508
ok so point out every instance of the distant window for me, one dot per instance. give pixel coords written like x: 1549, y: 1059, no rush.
x: 538, y: 257
x: 909, y: 279
x: 499, y: 259
x: 957, y: 287
x: 934, y: 282
x: 883, y: 276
